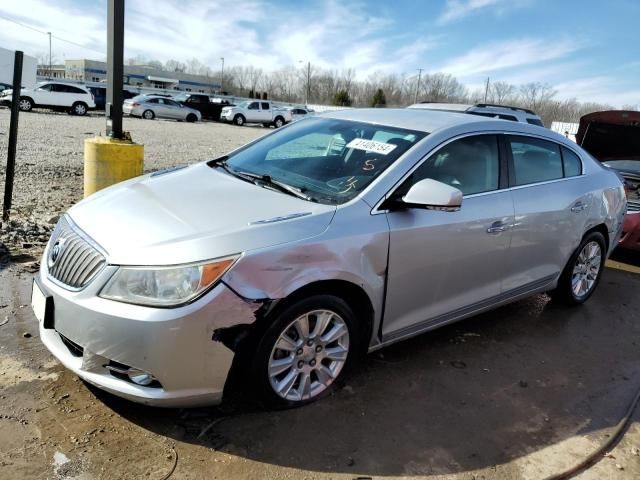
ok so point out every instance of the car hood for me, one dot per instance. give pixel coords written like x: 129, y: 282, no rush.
x: 193, y: 214
x: 611, y: 135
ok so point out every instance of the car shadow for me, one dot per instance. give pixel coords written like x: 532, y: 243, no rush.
x: 623, y: 255
x: 482, y: 392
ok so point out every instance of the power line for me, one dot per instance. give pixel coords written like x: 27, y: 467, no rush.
x: 48, y: 33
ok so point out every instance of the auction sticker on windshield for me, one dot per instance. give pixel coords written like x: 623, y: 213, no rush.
x: 371, y: 146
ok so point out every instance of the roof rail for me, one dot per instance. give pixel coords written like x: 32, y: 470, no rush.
x: 526, y: 110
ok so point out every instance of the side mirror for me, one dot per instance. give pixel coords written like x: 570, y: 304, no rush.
x: 433, y: 195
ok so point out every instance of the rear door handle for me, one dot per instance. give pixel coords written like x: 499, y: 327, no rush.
x: 497, y: 227
x: 578, y: 207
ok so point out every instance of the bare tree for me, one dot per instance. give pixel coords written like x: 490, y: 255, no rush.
x: 533, y: 94
x: 502, y: 92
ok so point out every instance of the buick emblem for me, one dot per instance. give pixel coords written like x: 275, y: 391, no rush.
x: 56, y: 251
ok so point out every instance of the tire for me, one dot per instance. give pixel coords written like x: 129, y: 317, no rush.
x: 239, y: 120
x: 79, y: 108
x: 25, y: 104
x: 278, y: 122
x: 299, y: 360
x: 191, y: 118
x: 583, y: 271
x: 148, y: 115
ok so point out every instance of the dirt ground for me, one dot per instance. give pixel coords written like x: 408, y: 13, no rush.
x: 522, y: 392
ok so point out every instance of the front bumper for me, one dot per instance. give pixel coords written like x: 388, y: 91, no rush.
x: 631, y: 231
x: 174, y: 345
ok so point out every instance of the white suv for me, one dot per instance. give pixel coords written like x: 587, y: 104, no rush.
x: 76, y: 99
x: 504, y: 112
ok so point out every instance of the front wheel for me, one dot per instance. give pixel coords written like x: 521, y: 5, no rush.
x: 191, y: 118
x: 238, y: 120
x: 305, y: 349
x: 583, y: 271
x: 25, y: 104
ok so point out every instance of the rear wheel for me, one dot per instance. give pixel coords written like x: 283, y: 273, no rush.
x: 148, y: 115
x: 238, y: 120
x: 583, y: 271
x: 79, y: 108
x: 305, y: 349
x: 278, y: 122
x: 25, y: 104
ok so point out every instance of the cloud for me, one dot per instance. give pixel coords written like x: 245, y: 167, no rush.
x: 496, y: 56
x: 330, y: 34
x: 458, y: 9
x: 600, y: 89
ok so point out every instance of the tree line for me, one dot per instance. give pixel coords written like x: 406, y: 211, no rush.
x: 379, y: 89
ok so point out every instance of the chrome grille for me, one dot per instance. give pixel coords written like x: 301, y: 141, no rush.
x: 71, y: 258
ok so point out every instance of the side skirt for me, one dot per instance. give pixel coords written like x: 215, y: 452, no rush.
x: 538, y: 286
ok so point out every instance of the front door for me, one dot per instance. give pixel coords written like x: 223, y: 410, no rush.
x: 445, y: 264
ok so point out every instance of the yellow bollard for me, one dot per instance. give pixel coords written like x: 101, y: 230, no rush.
x: 108, y: 161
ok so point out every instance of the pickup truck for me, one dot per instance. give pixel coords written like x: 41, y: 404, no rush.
x: 202, y: 103
x: 258, y: 111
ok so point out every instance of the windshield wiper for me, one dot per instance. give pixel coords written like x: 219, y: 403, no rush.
x: 264, y: 179
x: 277, y: 184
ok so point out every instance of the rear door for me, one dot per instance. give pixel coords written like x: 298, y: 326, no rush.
x: 551, y: 203
x: 266, y: 114
x: 445, y: 264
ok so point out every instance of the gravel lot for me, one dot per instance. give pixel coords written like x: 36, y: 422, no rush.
x: 49, y: 162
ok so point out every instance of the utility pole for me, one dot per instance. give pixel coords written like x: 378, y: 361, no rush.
x: 13, y: 136
x: 222, y: 75
x: 49, y: 33
x: 115, y: 69
x: 415, y: 100
x: 486, y: 90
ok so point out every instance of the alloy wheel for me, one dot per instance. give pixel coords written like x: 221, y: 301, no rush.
x: 24, y: 105
x: 586, y: 269
x: 80, y: 109
x: 308, y: 355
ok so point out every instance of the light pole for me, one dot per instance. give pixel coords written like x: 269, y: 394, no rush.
x: 221, y: 74
x: 49, y: 33
x: 415, y: 100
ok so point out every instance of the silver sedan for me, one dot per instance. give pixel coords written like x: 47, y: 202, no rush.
x: 277, y: 265
x: 150, y: 107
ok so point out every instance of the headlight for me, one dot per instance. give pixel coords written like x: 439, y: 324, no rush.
x: 164, y: 286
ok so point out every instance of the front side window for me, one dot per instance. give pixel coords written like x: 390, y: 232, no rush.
x: 470, y: 164
x: 253, y: 106
x: 45, y: 88
x: 534, y: 160
x: 330, y: 160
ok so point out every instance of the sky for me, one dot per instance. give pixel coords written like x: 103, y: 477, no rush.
x: 586, y: 49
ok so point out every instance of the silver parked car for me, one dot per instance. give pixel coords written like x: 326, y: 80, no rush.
x: 336, y: 235
x: 150, y: 107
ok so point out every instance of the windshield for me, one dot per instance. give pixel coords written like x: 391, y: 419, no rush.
x: 330, y: 160
x: 243, y: 104
x: 631, y: 166
x: 181, y: 97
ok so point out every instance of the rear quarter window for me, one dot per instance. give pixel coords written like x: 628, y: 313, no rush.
x: 535, y: 121
x: 572, y: 163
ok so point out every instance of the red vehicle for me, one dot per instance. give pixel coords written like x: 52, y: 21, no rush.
x: 613, y: 137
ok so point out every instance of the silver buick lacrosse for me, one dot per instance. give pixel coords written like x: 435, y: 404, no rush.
x: 280, y: 263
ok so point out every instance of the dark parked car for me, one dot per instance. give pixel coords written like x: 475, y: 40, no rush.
x: 613, y: 137
x: 100, y: 95
x: 202, y: 103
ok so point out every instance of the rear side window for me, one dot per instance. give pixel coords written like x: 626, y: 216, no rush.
x: 535, y: 121
x: 535, y: 160
x: 572, y: 163
x: 265, y: 106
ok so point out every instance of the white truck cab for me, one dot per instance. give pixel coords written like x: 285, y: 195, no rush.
x: 256, y: 111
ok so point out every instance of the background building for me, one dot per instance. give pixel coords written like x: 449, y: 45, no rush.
x: 94, y: 71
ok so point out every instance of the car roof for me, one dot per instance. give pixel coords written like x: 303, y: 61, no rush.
x: 409, y: 118
x: 477, y: 107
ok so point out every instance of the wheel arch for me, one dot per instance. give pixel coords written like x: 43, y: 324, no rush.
x: 601, y: 228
